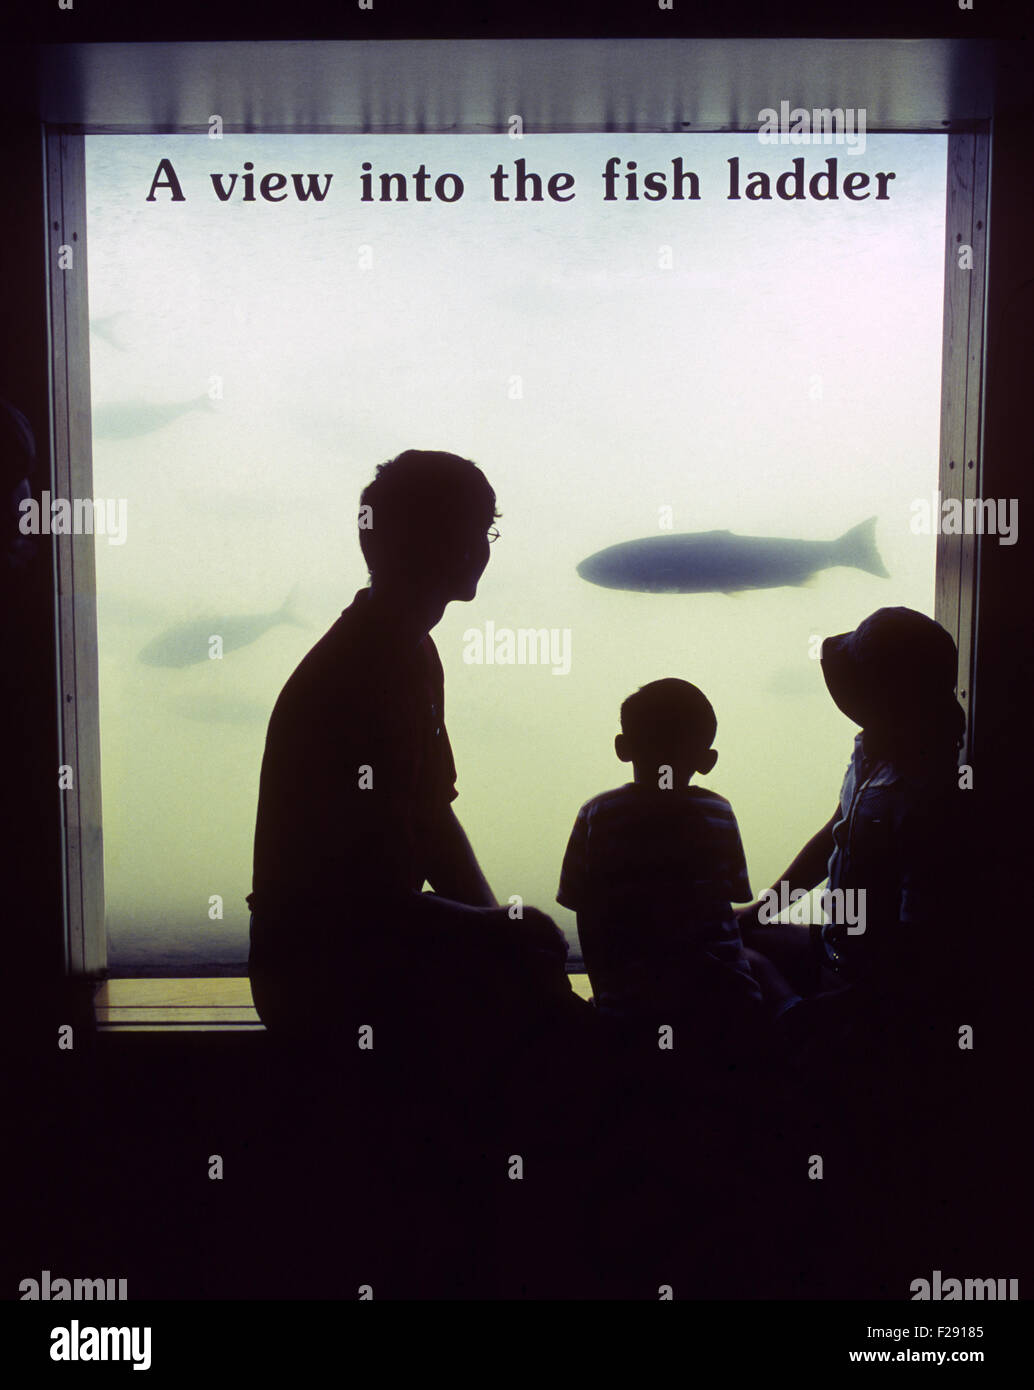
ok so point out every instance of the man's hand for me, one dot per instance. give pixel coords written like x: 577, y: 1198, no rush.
x: 536, y: 931
x: 747, y: 917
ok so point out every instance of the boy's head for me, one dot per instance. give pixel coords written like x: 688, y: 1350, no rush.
x: 667, y: 723
x: 428, y: 523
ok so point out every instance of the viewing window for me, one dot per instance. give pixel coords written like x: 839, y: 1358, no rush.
x: 620, y: 368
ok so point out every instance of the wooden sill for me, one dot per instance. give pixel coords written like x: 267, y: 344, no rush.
x: 200, y: 1005
x: 177, y: 1005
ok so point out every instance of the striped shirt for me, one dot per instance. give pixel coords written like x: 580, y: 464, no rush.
x: 652, y: 875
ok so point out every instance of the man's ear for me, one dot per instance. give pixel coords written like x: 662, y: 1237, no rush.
x: 707, y: 761
x: 621, y: 748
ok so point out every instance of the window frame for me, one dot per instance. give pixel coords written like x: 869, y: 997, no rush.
x: 75, y: 585
x: 957, y: 570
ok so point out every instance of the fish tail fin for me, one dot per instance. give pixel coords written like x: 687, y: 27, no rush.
x: 857, y: 547
x: 288, y: 612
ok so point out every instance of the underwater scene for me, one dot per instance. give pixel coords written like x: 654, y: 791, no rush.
x: 711, y: 423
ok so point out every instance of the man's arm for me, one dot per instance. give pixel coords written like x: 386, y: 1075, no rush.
x: 451, y: 867
x: 532, y: 937
x: 462, y: 896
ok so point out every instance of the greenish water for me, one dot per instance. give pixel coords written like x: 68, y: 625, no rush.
x: 771, y: 369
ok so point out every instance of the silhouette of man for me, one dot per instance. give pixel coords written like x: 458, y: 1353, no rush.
x: 355, y: 815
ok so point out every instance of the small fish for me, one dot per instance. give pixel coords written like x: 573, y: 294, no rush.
x: 129, y: 419
x: 108, y: 328
x: 187, y: 643
x: 721, y: 562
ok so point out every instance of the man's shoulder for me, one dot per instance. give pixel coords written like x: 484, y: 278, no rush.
x: 345, y: 656
x: 315, y: 668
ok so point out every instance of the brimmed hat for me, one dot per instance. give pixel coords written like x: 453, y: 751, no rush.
x: 895, y: 666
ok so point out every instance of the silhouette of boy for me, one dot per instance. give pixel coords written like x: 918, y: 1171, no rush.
x: 652, y: 869
x: 355, y: 814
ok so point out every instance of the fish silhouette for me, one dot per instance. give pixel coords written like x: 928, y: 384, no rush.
x: 129, y: 419
x: 110, y: 327
x: 721, y: 562
x: 185, y: 644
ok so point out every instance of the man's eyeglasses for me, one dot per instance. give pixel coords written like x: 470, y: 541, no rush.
x: 493, y: 534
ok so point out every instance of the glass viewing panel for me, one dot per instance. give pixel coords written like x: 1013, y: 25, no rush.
x: 620, y: 369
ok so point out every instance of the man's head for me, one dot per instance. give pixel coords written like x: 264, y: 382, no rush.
x: 427, y: 524
x: 668, y: 722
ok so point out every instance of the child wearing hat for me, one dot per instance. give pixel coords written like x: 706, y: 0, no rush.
x: 889, y: 843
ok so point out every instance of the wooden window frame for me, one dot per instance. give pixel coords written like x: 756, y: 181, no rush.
x: 75, y: 579
x: 962, y: 399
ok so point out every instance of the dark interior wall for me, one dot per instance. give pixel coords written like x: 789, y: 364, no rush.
x: 470, y: 19
x: 107, y: 1135
x: 931, y: 86
x: 30, y: 829
x: 1005, y: 668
